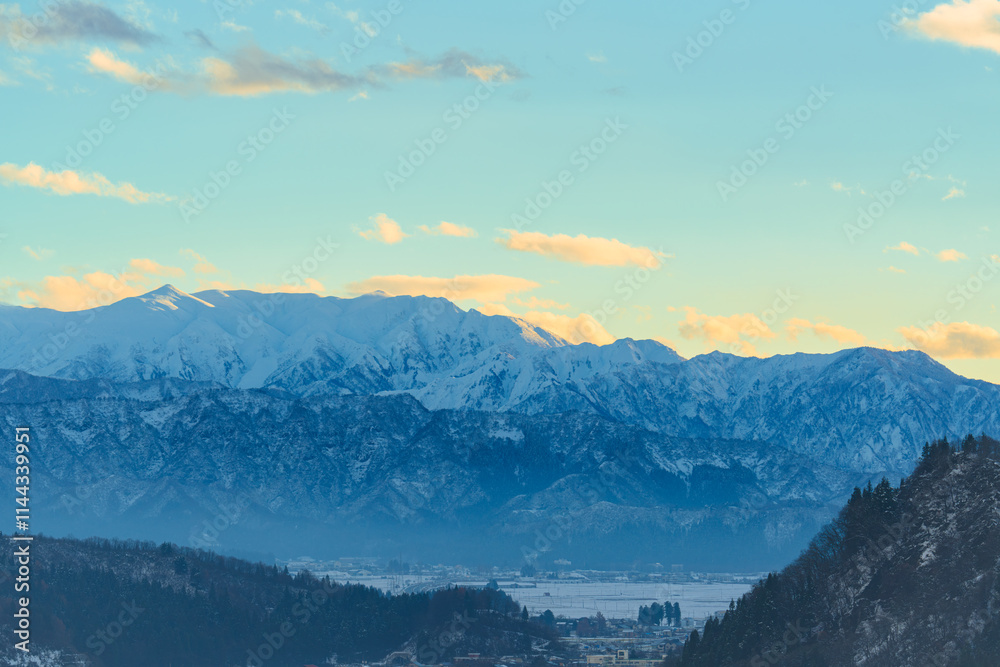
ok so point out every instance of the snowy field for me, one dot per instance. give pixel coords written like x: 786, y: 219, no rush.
x: 585, y: 598
x: 622, y: 600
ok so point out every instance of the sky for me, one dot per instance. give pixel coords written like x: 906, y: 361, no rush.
x: 754, y: 177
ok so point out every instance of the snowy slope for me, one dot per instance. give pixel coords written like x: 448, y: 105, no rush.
x: 864, y: 409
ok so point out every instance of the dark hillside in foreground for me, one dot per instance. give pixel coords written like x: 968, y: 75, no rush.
x: 134, y: 603
x: 907, y: 576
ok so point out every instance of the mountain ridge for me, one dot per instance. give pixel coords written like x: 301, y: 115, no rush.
x: 449, y: 358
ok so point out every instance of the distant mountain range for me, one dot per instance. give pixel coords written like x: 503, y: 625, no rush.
x: 400, y: 422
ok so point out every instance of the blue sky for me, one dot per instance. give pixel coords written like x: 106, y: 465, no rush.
x: 310, y: 115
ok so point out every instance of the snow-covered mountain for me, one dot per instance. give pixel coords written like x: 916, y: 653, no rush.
x: 864, y: 409
x: 169, y: 459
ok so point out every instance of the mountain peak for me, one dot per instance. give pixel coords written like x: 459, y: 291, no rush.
x: 169, y: 297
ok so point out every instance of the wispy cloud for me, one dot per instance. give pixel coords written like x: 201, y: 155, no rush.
x: 74, y: 183
x: 448, y: 229
x: 202, y: 265
x: 301, y: 19
x: 200, y: 39
x: 835, y: 332
x: 152, y: 268
x: 544, y: 304
x: 491, y: 288
x: 233, y: 26
x: 252, y: 71
x: 37, y: 253
x: 72, y: 20
x: 580, y: 329
x: 105, y: 62
x: 837, y: 186
x: 905, y: 247
x: 309, y: 286
x: 452, y: 64
x: 953, y: 193
x: 384, y: 229
x: 581, y: 249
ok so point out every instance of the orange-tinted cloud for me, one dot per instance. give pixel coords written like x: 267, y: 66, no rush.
x: 73, y: 183
x: 104, y: 61
x: 37, y: 253
x: 92, y: 290
x: 452, y: 64
x: 252, y: 71
x: 384, y: 229
x: 580, y: 329
x: 734, y: 332
x: 951, y: 255
x: 310, y: 286
x: 202, y: 265
x: 956, y: 340
x: 490, y: 288
x: 971, y: 23
x: 836, y: 332
x: 448, y: 229
x: 905, y: 247
x: 590, y: 251
x: 156, y: 269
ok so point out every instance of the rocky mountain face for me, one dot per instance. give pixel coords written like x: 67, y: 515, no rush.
x: 907, y: 576
x: 395, y: 424
x: 864, y: 410
x: 243, y: 469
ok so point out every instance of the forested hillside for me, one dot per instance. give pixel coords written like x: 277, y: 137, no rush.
x: 133, y: 603
x: 903, y: 576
